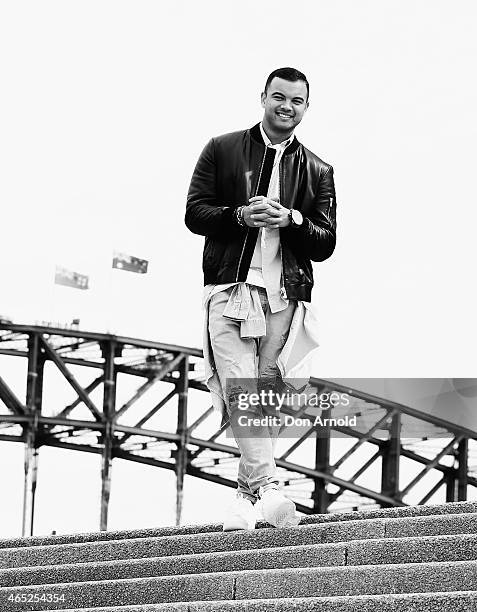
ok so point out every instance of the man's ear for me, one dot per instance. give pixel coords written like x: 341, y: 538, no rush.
x: 307, y: 105
x: 263, y: 97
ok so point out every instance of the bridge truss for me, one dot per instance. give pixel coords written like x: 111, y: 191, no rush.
x: 320, y: 474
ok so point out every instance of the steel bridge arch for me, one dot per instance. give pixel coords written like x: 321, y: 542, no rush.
x: 209, y: 458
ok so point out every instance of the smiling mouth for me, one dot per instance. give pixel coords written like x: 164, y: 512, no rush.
x: 284, y: 116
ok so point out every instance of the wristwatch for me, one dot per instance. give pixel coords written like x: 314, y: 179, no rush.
x: 296, y: 218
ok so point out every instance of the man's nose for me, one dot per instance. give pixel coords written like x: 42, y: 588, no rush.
x: 286, y: 105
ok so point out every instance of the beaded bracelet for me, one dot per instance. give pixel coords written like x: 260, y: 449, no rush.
x: 239, y: 216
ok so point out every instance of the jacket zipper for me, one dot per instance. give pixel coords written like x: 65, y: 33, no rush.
x: 281, y: 187
x: 281, y: 179
x: 246, y: 235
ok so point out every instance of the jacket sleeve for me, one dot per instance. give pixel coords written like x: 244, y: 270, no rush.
x: 204, y: 214
x: 316, y: 237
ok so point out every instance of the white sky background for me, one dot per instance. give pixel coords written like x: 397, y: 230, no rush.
x: 105, y: 108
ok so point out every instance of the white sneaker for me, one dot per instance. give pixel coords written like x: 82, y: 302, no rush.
x: 278, y: 510
x: 240, y: 515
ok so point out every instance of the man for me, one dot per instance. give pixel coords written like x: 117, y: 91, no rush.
x: 266, y: 206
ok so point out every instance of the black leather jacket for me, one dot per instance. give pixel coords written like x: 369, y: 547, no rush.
x: 227, y: 174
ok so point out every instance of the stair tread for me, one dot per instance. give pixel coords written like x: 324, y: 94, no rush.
x: 404, y: 511
x: 338, y: 569
x: 364, y: 603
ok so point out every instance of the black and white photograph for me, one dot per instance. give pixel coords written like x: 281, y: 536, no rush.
x: 238, y: 361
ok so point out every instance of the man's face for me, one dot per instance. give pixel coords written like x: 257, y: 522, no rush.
x: 285, y: 103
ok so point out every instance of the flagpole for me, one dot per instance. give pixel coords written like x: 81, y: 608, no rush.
x: 125, y: 263
x: 51, y: 310
x: 67, y: 278
x: 110, y: 300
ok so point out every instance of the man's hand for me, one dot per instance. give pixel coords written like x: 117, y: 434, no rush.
x: 264, y: 212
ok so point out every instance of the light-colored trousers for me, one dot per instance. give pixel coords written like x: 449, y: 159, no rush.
x: 253, y: 359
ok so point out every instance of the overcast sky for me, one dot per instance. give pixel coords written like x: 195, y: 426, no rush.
x: 105, y: 108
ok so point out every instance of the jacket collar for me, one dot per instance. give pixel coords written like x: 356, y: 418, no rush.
x: 257, y: 137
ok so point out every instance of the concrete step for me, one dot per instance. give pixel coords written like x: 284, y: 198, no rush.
x: 201, y: 543
x: 266, y: 584
x: 359, y: 552
x: 461, y: 601
x: 404, y: 511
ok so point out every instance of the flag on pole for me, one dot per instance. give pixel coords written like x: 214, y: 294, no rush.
x: 122, y: 261
x: 69, y: 278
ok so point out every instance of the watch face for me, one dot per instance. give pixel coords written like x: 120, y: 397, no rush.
x: 296, y: 217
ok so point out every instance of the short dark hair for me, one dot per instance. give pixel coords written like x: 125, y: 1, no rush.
x: 288, y: 74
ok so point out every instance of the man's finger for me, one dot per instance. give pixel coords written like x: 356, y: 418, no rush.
x: 265, y: 214
x: 259, y: 216
x: 266, y: 205
x: 259, y: 207
x: 263, y: 200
